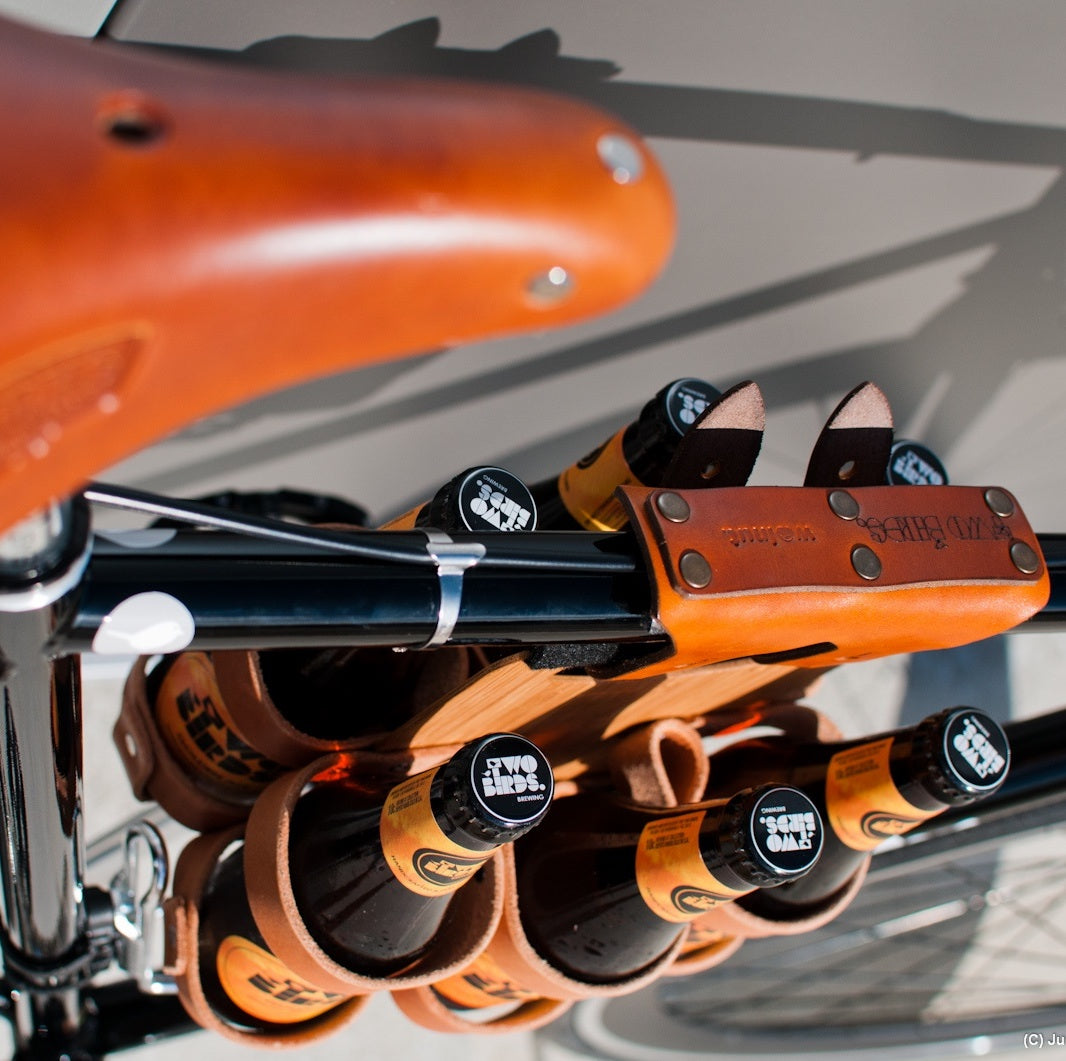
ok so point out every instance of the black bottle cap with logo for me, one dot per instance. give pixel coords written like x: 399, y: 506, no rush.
x: 651, y: 440
x: 772, y: 834
x: 960, y: 755
x: 677, y: 407
x: 498, y: 787
x: 912, y: 464
x: 482, y: 499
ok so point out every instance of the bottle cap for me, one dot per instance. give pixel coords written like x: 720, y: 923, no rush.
x: 505, y: 786
x: 966, y: 754
x: 778, y: 834
x: 484, y: 499
x: 912, y: 464
x: 680, y: 404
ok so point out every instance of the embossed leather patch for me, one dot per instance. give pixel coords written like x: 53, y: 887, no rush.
x: 824, y: 576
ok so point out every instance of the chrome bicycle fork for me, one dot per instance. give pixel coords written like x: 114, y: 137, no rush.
x: 55, y: 932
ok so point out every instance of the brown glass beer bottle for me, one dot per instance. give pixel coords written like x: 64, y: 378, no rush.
x: 195, y: 725
x: 869, y: 789
x: 606, y: 889
x: 329, y: 694
x: 582, y: 496
x: 373, y: 874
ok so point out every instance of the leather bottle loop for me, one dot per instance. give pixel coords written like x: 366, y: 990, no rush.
x: 722, y: 446
x: 262, y: 725
x: 660, y: 765
x: 182, y: 955
x: 801, y: 723
x: 423, y: 1006
x: 707, y: 957
x: 153, y: 771
x: 256, y: 718
x: 472, y: 917
x: 518, y: 963
x: 733, y: 920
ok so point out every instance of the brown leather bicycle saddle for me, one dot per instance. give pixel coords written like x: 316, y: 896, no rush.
x: 176, y: 238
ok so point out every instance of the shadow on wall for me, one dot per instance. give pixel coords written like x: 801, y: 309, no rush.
x: 1012, y: 305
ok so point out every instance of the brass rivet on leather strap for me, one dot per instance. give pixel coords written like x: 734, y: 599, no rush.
x: 843, y: 504
x: 673, y: 507
x: 999, y: 502
x: 866, y: 562
x: 694, y: 569
x: 1024, y: 558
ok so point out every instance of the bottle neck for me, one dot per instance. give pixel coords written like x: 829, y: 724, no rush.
x: 911, y: 774
x: 807, y: 764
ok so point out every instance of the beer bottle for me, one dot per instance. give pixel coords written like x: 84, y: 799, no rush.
x: 329, y: 694
x: 606, y: 889
x: 582, y: 496
x: 373, y: 873
x: 913, y: 464
x: 869, y: 789
x: 198, y: 730
x: 478, y: 499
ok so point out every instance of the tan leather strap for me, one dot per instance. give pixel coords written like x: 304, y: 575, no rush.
x: 520, y: 964
x: 733, y: 920
x: 261, y: 725
x: 573, y: 716
x: 245, y: 230
x: 700, y: 960
x: 424, y: 1007
x: 660, y: 765
x: 155, y: 774
x: 182, y: 926
x: 722, y: 446
x: 819, y: 577
x: 853, y: 448
x: 471, y: 920
x: 802, y: 723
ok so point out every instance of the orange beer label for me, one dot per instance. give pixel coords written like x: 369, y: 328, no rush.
x: 587, y: 487
x: 198, y: 730
x: 266, y: 989
x: 418, y: 852
x: 672, y: 877
x: 482, y: 983
x: 862, y: 800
